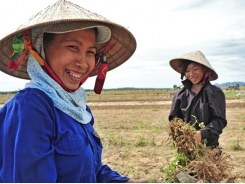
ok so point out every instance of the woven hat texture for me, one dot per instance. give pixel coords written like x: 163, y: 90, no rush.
x: 64, y: 16
x: 197, y: 57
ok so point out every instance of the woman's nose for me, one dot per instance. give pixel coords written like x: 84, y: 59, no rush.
x: 191, y: 73
x: 81, y: 62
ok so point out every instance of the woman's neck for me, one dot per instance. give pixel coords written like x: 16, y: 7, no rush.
x: 196, y: 88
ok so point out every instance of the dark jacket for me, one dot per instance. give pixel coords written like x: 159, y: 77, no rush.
x: 208, y: 106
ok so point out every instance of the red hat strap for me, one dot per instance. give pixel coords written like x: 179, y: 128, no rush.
x: 208, y: 73
x: 103, y: 68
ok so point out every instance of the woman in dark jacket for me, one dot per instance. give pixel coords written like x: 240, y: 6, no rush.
x: 199, y: 101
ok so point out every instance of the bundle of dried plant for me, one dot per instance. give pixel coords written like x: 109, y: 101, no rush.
x: 201, y: 163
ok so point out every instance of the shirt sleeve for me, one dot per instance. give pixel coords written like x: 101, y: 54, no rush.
x: 175, y: 110
x: 217, y: 114
x: 107, y: 175
x: 26, y: 141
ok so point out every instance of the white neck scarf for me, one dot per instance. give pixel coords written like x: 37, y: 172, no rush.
x: 71, y: 103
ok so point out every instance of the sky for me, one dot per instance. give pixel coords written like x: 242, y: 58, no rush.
x: 163, y: 29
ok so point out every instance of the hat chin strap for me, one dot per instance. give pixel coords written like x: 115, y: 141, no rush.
x: 51, y: 73
x: 46, y: 67
x: 102, y: 71
x: 103, y: 68
x: 206, y: 76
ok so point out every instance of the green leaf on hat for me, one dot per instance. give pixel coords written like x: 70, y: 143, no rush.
x: 18, y: 43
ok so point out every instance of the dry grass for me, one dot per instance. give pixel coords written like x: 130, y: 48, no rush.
x: 134, y: 139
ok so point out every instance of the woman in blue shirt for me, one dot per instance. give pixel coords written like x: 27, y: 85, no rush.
x: 47, y: 132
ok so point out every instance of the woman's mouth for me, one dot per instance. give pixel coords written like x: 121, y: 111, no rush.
x: 74, y: 74
x: 194, y: 80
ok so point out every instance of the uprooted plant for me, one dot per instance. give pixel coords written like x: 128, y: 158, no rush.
x: 197, y: 160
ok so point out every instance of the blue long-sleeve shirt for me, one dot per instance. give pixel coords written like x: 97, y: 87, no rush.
x: 40, y: 143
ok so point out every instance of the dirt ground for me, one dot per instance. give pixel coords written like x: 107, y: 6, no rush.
x: 134, y: 136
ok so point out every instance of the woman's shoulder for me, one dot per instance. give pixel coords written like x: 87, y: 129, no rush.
x: 181, y: 91
x: 210, y: 88
x: 33, y: 93
x: 30, y: 96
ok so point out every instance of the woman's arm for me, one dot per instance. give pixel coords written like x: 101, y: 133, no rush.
x: 175, y: 110
x: 27, y: 153
x: 217, y: 114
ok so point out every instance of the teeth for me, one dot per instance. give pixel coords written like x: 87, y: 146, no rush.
x: 74, y: 74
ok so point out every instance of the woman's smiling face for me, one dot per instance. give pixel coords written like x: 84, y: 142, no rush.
x: 71, y: 56
x: 195, y: 72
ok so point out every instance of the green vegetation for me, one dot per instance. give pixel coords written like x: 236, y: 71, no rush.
x: 235, y: 145
x: 230, y: 94
x: 178, y: 159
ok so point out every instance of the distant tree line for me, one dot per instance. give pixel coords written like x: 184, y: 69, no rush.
x: 176, y: 87
x: 230, y: 84
x: 130, y: 88
x: 8, y: 92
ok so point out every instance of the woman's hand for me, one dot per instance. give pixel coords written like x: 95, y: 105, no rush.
x: 198, y: 136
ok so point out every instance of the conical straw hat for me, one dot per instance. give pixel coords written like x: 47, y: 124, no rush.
x: 197, y: 57
x: 64, y: 16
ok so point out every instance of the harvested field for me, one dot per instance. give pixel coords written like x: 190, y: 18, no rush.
x: 134, y: 133
x: 133, y: 126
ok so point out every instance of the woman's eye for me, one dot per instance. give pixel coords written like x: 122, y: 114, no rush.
x: 73, y: 47
x: 91, y: 52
